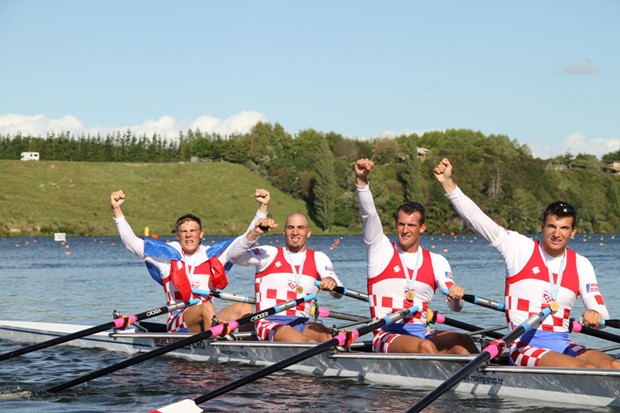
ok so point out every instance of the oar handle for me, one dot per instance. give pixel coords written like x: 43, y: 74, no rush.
x: 220, y: 329
x: 349, y: 293
x: 224, y: 296
x: 578, y: 328
x: 615, y: 323
x: 481, y: 301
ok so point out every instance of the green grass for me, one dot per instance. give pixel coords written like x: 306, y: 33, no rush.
x: 40, y: 198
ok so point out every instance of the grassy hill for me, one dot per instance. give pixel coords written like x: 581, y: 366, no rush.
x: 40, y: 198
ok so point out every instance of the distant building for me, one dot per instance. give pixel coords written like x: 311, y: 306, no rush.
x: 30, y: 156
x: 422, y: 152
x: 612, y: 168
x: 556, y: 167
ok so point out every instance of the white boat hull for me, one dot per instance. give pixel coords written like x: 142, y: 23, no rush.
x: 591, y: 387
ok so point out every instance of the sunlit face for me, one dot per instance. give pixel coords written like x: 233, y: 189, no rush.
x: 556, y: 233
x: 409, y: 229
x: 296, y: 233
x: 189, y: 235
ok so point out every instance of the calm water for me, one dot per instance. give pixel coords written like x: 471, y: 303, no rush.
x: 84, y: 280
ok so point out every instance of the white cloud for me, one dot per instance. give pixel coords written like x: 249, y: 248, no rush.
x: 166, y: 126
x: 239, y: 123
x: 576, y: 143
x: 37, y: 125
x: 394, y: 134
x: 585, y: 66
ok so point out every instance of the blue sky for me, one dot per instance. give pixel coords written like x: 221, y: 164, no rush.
x: 544, y: 73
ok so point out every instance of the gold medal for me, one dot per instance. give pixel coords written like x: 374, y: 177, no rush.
x: 299, y: 289
x: 554, y: 306
x: 410, y: 295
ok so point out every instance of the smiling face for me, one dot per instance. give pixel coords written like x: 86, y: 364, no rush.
x: 189, y: 233
x: 296, y: 232
x: 409, y: 229
x: 557, y: 231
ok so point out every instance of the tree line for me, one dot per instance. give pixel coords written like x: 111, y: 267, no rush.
x: 500, y: 174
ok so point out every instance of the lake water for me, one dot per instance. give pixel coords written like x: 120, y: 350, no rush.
x: 83, y: 280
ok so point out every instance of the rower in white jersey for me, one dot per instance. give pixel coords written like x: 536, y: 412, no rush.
x: 404, y: 274
x: 284, y: 274
x: 183, y: 265
x: 540, y: 274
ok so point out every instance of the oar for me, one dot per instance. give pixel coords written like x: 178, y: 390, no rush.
x: 615, y: 323
x: 481, y: 301
x: 343, y: 339
x: 489, y: 352
x: 219, y: 330
x: 119, y: 323
x: 326, y: 312
x: 347, y: 292
x: 578, y: 328
x: 435, y: 317
x: 323, y: 312
x: 225, y: 296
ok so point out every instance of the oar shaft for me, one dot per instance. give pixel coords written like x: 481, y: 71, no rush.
x: 212, y: 332
x: 489, y: 352
x: 348, y: 292
x: 344, y: 316
x: 481, y: 301
x: 338, y: 340
x: 440, y: 318
x: 118, y: 323
x: 578, y: 328
x: 268, y: 370
x: 225, y: 296
x: 615, y: 323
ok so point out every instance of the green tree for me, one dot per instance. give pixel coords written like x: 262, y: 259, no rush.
x: 324, y: 190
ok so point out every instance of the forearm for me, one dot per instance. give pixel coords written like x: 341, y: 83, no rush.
x: 238, y: 252
x: 371, y: 223
x: 261, y: 213
x: 129, y: 238
x: 473, y: 216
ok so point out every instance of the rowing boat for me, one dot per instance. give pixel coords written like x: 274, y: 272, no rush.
x: 591, y: 387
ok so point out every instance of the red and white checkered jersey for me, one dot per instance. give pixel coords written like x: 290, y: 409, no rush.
x: 386, y: 291
x: 528, y: 287
x: 276, y: 280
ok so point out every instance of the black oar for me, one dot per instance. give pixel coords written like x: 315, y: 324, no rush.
x: 322, y: 312
x: 481, y: 301
x: 436, y: 317
x: 491, y: 351
x: 326, y: 312
x: 342, y: 339
x: 119, y: 323
x: 219, y: 330
x: 578, y: 328
x: 347, y: 292
x: 615, y: 323
x: 225, y: 296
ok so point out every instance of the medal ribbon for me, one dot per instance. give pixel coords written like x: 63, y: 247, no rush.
x: 411, y: 280
x: 296, y: 274
x: 555, y: 287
